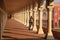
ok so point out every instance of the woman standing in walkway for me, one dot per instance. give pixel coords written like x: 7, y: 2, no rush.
x: 30, y: 22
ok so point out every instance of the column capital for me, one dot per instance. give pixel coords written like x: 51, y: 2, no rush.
x: 52, y: 3
x: 41, y: 8
x: 51, y: 7
x: 27, y: 10
x: 30, y: 10
x: 35, y: 8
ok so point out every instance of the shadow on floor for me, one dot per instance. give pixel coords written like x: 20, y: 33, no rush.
x: 20, y: 30
x: 11, y: 38
x: 22, y: 34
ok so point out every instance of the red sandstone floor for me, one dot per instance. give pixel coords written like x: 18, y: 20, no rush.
x: 17, y: 31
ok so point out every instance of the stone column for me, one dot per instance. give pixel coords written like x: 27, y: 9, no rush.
x: 3, y: 19
x: 35, y: 12
x: 50, y: 35
x: 31, y: 10
x: 41, y: 17
x: 0, y: 26
x: 24, y: 15
x: 31, y: 13
x: 27, y: 17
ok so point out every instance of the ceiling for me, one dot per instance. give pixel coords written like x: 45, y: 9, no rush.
x: 16, y: 5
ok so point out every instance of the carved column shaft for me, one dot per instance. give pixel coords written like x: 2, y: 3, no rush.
x: 27, y: 17
x: 35, y: 12
x: 50, y: 35
x: 41, y: 17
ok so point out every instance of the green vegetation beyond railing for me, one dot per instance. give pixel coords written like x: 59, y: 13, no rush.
x: 57, y: 30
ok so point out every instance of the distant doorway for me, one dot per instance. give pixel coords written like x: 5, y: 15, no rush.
x: 9, y: 16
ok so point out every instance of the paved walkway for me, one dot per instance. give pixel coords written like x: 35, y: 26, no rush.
x: 17, y: 31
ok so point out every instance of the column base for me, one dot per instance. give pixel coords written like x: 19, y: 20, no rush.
x: 27, y: 25
x: 24, y: 24
x: 34, y: 29
x: 41, y: 31
x: 50, y: 36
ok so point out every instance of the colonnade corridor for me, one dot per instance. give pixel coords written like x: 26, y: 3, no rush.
x: 17, y: 16
x: 16, y: 31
